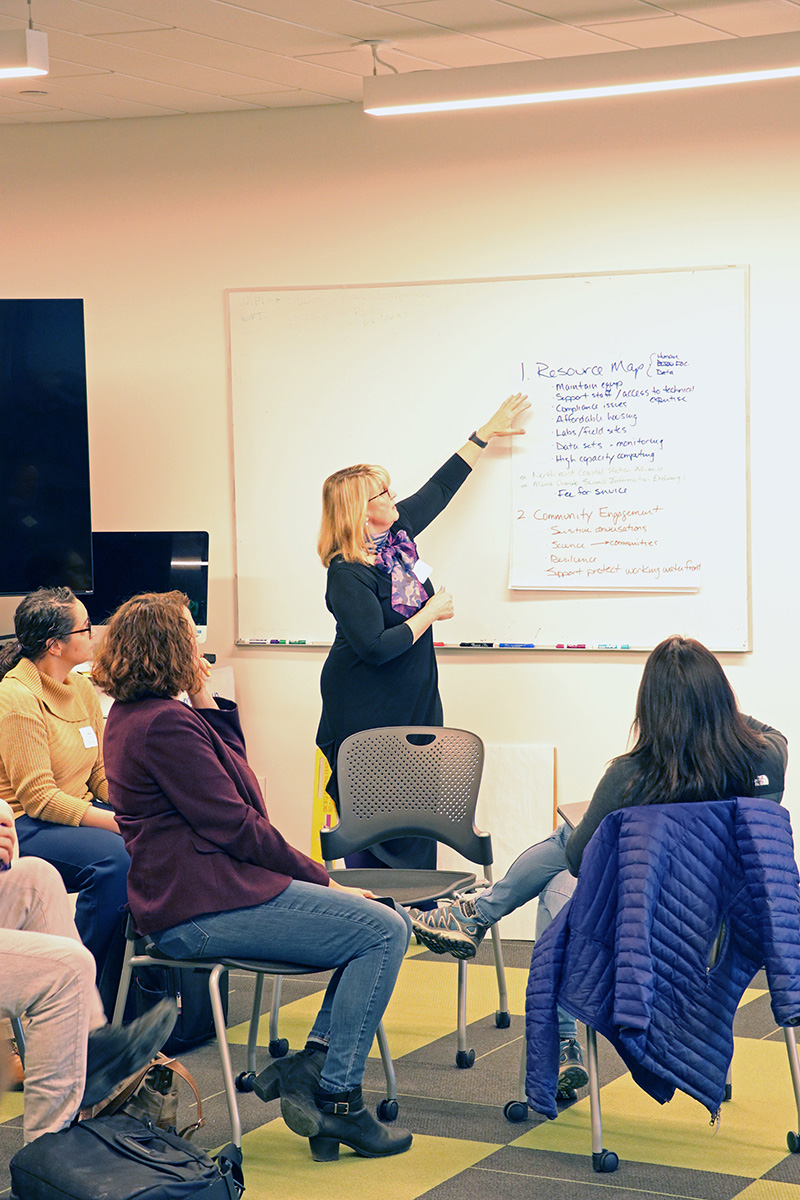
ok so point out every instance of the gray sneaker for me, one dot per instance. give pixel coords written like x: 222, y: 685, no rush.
x: 571, y: 1071
x: 452, y: 928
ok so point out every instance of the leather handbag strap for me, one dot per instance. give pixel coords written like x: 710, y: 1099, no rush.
x: 115, y: 1102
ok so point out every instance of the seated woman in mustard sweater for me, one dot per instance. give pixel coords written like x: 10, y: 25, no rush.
x: 51, y: 769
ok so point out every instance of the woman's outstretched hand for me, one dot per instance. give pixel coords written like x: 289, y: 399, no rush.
x: 502, y: 423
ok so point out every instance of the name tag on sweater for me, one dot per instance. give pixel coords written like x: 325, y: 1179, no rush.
x: 89, y: 736
x: 422, y: 570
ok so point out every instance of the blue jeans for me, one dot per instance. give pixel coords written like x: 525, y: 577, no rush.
x: 541, y: 871
x: 94, y: 863
x: 362, y: 940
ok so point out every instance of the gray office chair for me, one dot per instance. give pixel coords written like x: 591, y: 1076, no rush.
x: 415, y: 781
x: 141, y: 952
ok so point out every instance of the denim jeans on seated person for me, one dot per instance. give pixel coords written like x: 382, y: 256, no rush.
x: 362, y: 940
x: 541, y: 871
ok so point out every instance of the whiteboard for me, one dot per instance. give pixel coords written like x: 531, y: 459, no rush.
x: 399, y: 374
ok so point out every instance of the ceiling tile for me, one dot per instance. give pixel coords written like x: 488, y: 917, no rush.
x: 661, y: 31
x: 211, y: 52
x: 46, y: 116
x: 747, y: 19
x: 551, y: 39
x: 231, y: 23
x: 468, y: 16
x: 590, y: 12
x: 77, y: 16
x: 445, y: 49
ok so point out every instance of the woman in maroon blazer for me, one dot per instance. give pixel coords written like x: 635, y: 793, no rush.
x: 211, y: 876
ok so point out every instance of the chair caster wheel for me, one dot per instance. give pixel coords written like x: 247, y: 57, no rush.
x: 465, y: 1058
x: 244, y: 1081
x: 502, y: 1020
x: 606, y: 1161
x: 793, y: 1141
x: 516, y: 1111
x: 728, y: 1091
x: 278, y: 1048
x: 387, y: 1110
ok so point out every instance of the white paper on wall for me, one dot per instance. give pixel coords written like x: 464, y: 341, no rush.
x: 516, y: 806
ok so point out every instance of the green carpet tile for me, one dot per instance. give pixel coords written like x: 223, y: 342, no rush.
x: 464, y: 1147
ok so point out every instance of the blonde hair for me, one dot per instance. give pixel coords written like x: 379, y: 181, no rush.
x: 345, y: 496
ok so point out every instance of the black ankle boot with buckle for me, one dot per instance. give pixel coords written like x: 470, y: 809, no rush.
x: 341, y: 1117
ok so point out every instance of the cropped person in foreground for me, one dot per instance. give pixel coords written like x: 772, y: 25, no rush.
x: 210, y: 875
x: 692, y: 744
x: 381, y: 669
x: 73, y: 1059
x: 51, y: 769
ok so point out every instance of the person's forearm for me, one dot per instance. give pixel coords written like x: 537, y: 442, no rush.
x: 99, y: 818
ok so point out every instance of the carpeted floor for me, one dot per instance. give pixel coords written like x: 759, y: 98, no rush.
x: 464, y: 1147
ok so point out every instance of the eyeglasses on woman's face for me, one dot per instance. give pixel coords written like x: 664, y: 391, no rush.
x: 387, y: 491
x: 87, y: 628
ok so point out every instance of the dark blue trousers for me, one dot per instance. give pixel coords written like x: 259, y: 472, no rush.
x: 94, y: 863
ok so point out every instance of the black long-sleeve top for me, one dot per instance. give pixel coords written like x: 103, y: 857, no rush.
x: 610, y: 793
x: 375, y: 673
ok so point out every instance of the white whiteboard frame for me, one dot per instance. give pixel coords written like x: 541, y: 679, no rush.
x: 245, y: 630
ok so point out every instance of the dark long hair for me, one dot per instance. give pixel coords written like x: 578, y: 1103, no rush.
x: 42, y: 617
x: 692, y: 743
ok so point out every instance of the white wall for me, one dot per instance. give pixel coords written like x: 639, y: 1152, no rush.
x: 149, y: 220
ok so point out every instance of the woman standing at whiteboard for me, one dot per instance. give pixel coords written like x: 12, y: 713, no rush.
x: 381, y: 669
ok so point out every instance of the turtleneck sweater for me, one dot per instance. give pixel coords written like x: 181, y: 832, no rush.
x: 51, y: 737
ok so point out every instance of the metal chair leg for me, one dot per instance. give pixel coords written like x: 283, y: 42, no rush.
x: 388, y: 1065
x: 19, y: 1037
x: 793, y: 1138
x: 224, y: 1052
x: 255, y: 1017
x: 602, y: 1160
x: 124, y: 982
x: 502, y: 1017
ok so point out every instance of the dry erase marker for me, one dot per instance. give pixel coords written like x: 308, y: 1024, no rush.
x: 298, y: 641
x: 277, y: 641
x: 517, y: 645
x: 478, y: 645
x: 438, y: 643
x: 577, y: 646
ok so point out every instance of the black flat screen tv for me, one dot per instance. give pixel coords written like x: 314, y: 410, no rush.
x: 128, y: 563
x: 45, y: 502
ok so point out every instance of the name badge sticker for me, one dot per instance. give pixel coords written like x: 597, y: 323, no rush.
x: 89, y: 737
x: 422, y: 570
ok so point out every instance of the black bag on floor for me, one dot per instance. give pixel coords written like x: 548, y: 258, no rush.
x: 118, y: 1158
x: 195, y: 1023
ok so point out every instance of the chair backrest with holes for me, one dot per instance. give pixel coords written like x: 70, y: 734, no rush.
x: 407, y: 781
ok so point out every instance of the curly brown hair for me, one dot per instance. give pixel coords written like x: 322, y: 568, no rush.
x: 148, y: 649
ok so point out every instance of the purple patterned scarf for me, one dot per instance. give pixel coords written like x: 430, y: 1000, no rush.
x: 395, y: 555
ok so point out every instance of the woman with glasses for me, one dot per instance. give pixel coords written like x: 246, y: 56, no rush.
x: 381, y: 669
x: 51, y: 769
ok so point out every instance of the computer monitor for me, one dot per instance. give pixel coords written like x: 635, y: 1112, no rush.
x: 128, y: 563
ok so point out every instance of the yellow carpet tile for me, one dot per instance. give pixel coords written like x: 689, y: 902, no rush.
x: 278, y: 1163
x: 769, y: 1189
x: 750, y: 1141
x: 10, y: 1106
x: 422, y: 1008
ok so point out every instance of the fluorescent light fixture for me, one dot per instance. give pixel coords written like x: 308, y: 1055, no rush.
x: 617, y: 73
x: 23, y: 52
